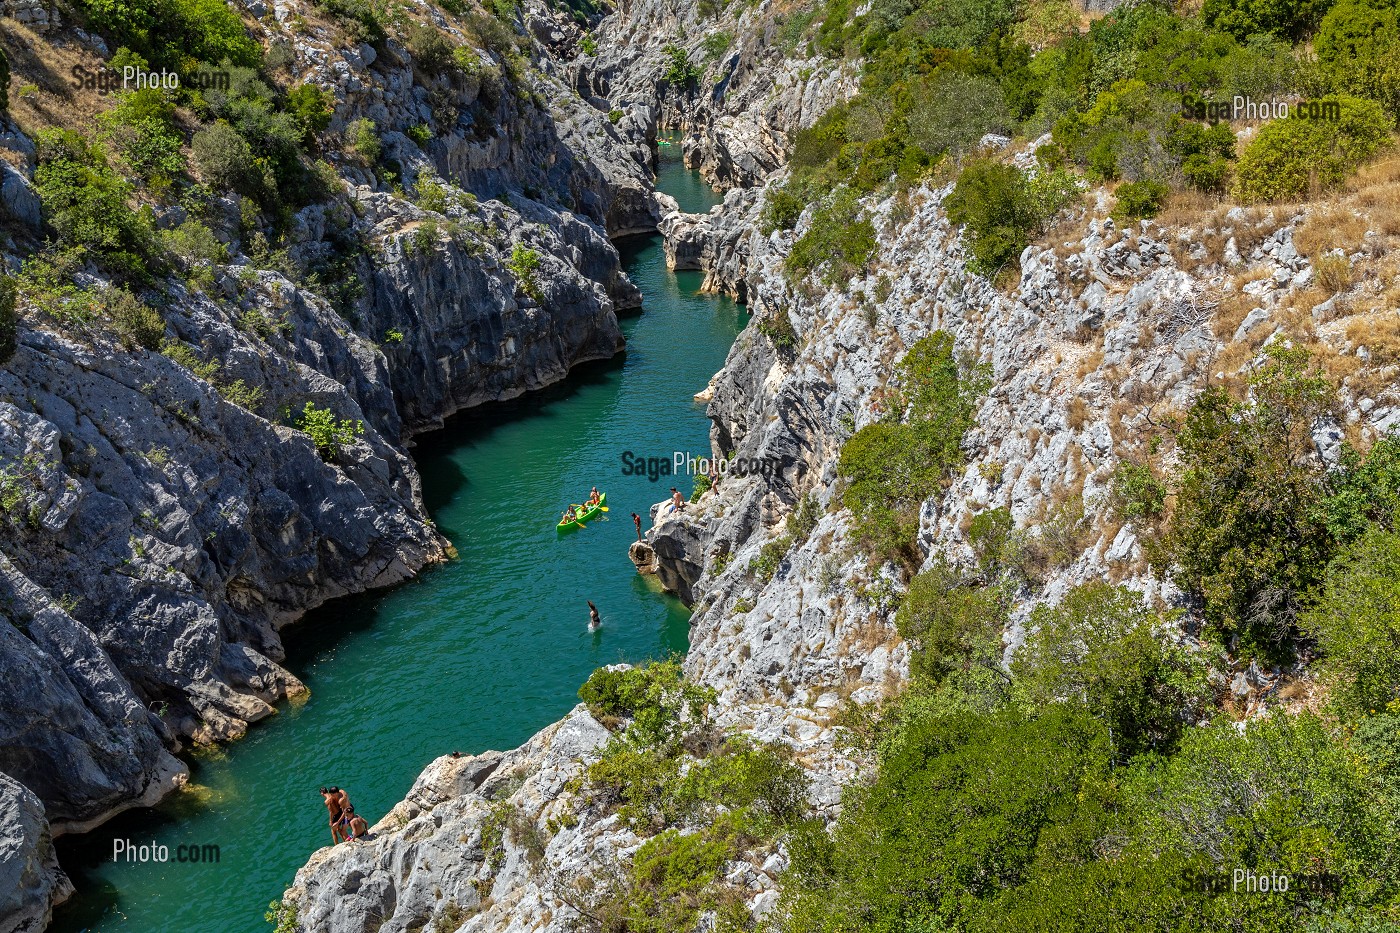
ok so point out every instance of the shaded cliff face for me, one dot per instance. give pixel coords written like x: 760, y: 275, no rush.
x: 751, y: 90
x: 29, y: 872
x: 164, y: 515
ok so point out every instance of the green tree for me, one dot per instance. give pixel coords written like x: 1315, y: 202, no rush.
x: 1358, y: 51
x: 9, y: 317
x: 1246, y: 534
x: 1102, y: 646
x: 1356, y: 622
x: 1364, y: 491
x: 1284, y: 19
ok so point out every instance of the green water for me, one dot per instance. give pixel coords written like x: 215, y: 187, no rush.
x: 480, y: 653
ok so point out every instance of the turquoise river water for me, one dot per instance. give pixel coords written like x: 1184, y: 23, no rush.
x: 479, y: 653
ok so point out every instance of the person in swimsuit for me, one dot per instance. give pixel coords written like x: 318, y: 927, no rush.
x: 356, y: 824
x: 677, y: 503
x: 593, y: 497
x: 637, y: 520
x: 332, y: 796
x: 595, y: 621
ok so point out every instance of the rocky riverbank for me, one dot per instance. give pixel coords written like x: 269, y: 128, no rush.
x: 167, y: 511
x: 1106, y: 329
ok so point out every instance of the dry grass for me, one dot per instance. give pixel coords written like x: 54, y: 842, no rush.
x: 1328, y: 227
x: 1090, y: 361
x: 1077, y: 413
x: 1379, y: 333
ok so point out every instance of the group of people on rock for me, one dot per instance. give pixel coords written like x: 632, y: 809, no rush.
x: 346, y: 824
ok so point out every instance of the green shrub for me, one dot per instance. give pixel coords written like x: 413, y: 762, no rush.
x: 1284, y: 19
x: 328, y: 434
x: 1003, y: 209
x: 992, y: 537
x: 804, y: 518
x: 359, y: 18
x: 1100, y: 647
x: 362, y: 137
x: 431, y: 50
x: 177, y: 34
x: 87, y: 204
x: 9, y: 317
x: 614, y: 116
x: 954, y: 627
x: 702, y: 486
x: 524, y: 264
x: 1137, y: 493
x: 1356, y: 622
x: 141, y: 127
x: 680, y: 72
x: 1297, y: 157
x: 1247, y: 534
x: 840, y: 240
x: 1139, y: 199
x: 660, y: 702
x: 1364, y: 491
x: 588, y: 45
x: 225, y: 160
x: 777, y: 327
x: 770, y: 558
x: 782, y: 207
x: 891, y: 467
x: 716, y: 44
x: 962, y: 807
x: 197, y: 251
x: 312, y: 107
x: 1358, y: 51
x: 136, y: 323
x: 952, y: 111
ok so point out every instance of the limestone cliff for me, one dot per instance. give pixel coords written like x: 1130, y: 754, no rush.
x: 1106, y: 329
x: 164, y: 514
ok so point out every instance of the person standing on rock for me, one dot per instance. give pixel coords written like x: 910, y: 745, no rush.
x: 595, y: 621
x: 677, y: 503
x: 637, y: 520
x: 332, y: 795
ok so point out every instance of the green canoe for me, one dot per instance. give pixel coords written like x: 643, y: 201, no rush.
x: 588, y: 515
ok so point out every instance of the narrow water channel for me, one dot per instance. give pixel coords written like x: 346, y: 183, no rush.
x: 480, y: 653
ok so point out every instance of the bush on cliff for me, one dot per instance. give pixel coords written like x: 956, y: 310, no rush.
x: 892, y: 466
x: 1002, y: 208
x: 9, y: 317
x: 87, y: 204
x: 1301, y: 156
x: 839, y: 241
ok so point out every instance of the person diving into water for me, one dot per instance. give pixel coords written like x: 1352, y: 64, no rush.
x: 595, y: 621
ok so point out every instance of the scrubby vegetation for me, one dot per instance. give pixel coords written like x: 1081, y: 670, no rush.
x: 1142, y: 96
x: 892, y: 466
x: 700, y: 800
x: 1102, y: 779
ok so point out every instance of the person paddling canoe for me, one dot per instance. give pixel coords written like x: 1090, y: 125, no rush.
x: 593, y: 497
